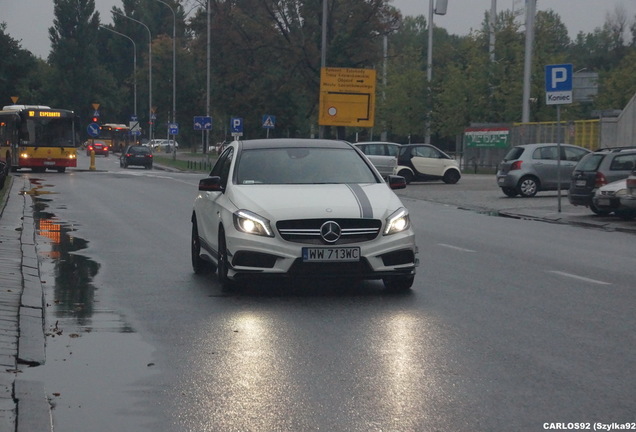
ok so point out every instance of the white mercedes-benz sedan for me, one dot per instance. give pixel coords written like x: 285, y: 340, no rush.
x: 301, y: 208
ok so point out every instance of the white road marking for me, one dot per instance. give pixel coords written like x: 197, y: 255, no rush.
x: 457, y: 248
x: 581, y: 278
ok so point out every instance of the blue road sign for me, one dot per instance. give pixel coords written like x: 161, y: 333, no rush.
x: 558, y: 84
x: 173, y: 129
x: 202, y: 123
x: 236, y: 125
x: 269, y: 121
x: 93, y: 130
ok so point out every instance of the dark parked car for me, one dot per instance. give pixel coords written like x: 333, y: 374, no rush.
x: 426, y: 162
x: 99, y: 147
x: 596, y: 170
x: 529, y: 168
x: 138, y: 155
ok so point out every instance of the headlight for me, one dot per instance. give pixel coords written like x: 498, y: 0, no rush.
x: 251, y: 223
x: 397, y: 222
x: 24, y: 155
x: 621, y: 192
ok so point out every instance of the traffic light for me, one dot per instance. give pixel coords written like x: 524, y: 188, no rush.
x: 95, y: 119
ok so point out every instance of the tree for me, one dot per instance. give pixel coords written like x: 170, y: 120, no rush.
x: 18, y: 71
x: 74, y: 38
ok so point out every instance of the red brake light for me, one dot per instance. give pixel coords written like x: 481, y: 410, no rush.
x: 631, y: 182
x: 600, y: 180
x: 516, y: 165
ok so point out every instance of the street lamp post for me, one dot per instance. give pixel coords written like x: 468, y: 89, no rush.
x: 439, y: 10
x: 134, y: 65
x: 174, y: 62
x: 149, y: 71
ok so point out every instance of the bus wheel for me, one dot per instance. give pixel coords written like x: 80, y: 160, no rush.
x: 61, y: 170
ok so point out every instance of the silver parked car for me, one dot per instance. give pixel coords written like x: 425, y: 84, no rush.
x: 628, y: 200
x: 607, y: 199
x: 383, y: 155
x: 530, y: 168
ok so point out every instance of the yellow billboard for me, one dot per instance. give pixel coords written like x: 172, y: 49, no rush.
x: 347, y: 97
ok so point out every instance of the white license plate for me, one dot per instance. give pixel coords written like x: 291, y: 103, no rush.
x: 49, y: 163
x: 603, y: 202
x: 327, y: 254
x: 581, y: 182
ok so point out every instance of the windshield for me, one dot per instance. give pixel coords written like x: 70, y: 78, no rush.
x: 47, y: 132
x: 306, y: 165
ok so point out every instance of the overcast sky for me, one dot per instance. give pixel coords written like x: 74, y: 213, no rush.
x: 28, y: 21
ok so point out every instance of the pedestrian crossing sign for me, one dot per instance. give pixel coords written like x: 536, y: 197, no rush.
x: 269, y: 121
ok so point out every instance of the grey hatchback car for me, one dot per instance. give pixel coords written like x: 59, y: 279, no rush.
x: 529, y: 168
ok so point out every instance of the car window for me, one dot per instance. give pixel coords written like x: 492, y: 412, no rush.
x: 302, y: 166
x: 573, y: 154
x: 427, y: 152
x: 222, y: 166
x: 392, y: 150
x: 374, y: 149
x: 514, y: 153
x: 590, y: 162
x: 546, y: 153
x: 623, y: 162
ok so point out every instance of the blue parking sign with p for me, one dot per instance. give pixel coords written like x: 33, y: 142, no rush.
x: 558, y: 77
x: 236, y: 125
x: 558, y: 84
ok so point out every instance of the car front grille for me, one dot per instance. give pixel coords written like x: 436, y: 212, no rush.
x: 308, y: 231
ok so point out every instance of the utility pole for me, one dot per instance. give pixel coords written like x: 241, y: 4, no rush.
x: 527, y: 65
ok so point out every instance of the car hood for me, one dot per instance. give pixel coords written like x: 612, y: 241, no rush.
x: 613, y: 186
x: 279, y: 202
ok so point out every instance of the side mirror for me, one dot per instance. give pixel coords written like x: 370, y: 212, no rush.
x: 397, y: 182
x: 211, y: 184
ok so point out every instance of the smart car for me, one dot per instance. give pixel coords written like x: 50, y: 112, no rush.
x: 426, y: 162
x: 301, y: 208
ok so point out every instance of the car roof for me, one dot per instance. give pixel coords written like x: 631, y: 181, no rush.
x: 616, y: 150
x: 377, y: 142
x: 531, y: 145
x: 294, y: 142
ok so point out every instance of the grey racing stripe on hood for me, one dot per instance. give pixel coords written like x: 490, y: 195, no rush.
x: 366, y: 211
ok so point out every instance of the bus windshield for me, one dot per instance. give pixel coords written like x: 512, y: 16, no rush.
x: 47, y: 132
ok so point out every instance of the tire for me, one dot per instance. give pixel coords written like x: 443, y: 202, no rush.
x: 408, y: 176
x: 61, y: 170
x: 528, y: 187
x: 398, y: 283
x: 509, y: 192
x: 597, y: 211
x: 223, y: 266
x: 451, y: 176
x: 199, y: 265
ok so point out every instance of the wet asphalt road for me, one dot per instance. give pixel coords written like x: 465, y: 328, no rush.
x: 511, y: 323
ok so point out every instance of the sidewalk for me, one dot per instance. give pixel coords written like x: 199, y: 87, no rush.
x: 23, y: 405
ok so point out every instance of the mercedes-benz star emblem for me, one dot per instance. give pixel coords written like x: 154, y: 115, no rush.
x: 330, y: 231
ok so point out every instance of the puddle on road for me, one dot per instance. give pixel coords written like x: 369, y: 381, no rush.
x: 89, y: 346
x: 73, y: 297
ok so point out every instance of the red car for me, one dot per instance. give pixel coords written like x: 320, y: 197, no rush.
x: 100, y: 147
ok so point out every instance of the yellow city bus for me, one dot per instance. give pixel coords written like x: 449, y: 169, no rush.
x: 37, y: 137
x: 116, y: 136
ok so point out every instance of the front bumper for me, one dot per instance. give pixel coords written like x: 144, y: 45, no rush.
x: 253, y: 256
